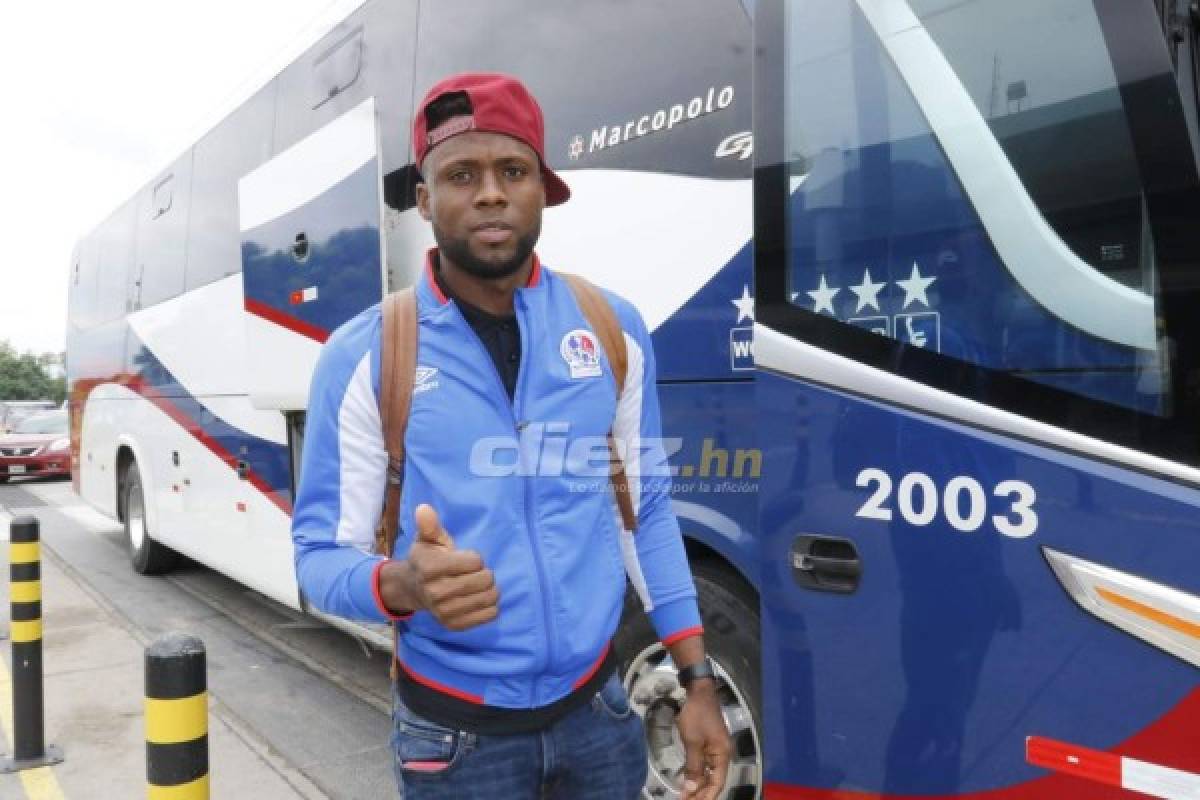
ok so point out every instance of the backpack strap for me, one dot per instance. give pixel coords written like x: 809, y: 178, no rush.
x: 600, y: 316
x: 398, y: 362
x: 398, y: 366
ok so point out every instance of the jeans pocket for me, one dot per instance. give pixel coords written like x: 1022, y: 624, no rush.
x: 424, y: 747
x: 612, y: 699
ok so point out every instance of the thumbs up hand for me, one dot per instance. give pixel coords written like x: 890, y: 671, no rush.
x: 451, y: 584
x: 429, y: 527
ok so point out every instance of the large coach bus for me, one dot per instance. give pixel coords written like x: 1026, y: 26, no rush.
x: 923, y: 280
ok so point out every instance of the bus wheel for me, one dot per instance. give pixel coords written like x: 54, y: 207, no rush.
x: 147, y: 556
x: 731, y: 635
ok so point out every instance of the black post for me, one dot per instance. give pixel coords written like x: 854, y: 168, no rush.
x: 25, y: 595
x: 177, y: 717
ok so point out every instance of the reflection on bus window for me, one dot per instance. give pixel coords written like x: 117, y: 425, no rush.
x: 1040, y: 75
x: 883, y: 236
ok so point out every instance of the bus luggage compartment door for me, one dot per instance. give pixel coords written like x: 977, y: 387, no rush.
x: 311, y: 251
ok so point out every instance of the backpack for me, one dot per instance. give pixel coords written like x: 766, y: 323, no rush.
x: 398, y: 360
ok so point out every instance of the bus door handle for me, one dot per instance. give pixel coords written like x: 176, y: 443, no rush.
x: 826, y: 564
x: 243, y: 470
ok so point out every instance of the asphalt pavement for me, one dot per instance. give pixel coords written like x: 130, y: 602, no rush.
x: 297, y: 709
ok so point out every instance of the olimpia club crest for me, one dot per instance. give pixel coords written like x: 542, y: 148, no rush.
x: 579, y: 350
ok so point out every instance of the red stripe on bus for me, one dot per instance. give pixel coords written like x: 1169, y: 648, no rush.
x: 283, y: 320
x: 83, y: 390
x: 1072, y: 759
x: 191, y: 426
x: 1169, y: 741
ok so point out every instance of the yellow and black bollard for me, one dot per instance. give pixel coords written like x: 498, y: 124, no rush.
x: 25, y: 595
x: 176, y: 719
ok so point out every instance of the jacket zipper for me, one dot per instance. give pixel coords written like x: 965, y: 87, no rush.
x: 518, y: 428
x: 530, y: 501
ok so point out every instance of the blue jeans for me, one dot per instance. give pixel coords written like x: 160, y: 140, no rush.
x: 596, y: 752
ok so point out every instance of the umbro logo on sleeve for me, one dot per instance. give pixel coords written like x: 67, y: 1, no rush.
x: 425, y: 379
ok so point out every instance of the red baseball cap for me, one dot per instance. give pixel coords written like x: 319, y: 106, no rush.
x: 499, y: 104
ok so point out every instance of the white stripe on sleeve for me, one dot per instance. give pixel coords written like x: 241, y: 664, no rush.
x: 627, y: 430
x: 363, y: 458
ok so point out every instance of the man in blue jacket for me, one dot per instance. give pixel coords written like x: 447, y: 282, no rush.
x: 508, y: 577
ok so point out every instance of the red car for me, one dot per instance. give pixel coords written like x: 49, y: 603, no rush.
x: 38, y: 445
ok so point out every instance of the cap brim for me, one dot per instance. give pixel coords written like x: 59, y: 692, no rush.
x: 557, y: 190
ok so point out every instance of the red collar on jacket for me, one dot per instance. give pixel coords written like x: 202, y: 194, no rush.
x: 535, y: 275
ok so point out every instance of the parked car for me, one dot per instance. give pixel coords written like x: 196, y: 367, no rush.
x: 12, y: 411
x: 38, y: 445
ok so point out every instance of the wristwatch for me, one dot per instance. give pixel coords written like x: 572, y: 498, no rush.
x: 693, y: 672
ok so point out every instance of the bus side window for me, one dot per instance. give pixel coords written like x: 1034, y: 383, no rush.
x: 239, y: 144
x: 162, y: 237
x: 337, y: 68
x: 116, y: 245
x: 163, y: 196
x: 337, y: 73
x: 82, y: 299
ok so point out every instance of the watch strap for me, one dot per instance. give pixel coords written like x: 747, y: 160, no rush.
x: 694, y: 672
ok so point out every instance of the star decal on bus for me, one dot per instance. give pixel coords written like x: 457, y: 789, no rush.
x: 823, y: 297
x: 867, y: 292
x: 744, y: 304
x: 915, y: 287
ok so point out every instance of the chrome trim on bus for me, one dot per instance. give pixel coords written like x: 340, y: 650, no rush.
x: 1165, y: 617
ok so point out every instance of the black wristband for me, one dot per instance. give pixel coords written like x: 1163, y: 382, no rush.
x: 694, y: 672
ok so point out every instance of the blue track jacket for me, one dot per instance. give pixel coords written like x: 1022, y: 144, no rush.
x: 524, y: 483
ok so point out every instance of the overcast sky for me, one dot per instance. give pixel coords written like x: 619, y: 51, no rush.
x: 100, y: 96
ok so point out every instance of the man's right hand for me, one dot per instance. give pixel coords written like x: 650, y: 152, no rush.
x: 451, y: 584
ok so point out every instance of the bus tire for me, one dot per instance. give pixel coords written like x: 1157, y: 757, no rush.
x: 147, y: 556
x: 729, y: 611
x: 3, y: 479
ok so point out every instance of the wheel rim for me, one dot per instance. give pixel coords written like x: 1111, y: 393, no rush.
x: 657, y: 696
x: 135, y: 513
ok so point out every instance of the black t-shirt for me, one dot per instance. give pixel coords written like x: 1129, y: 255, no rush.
x: 500, y: 335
